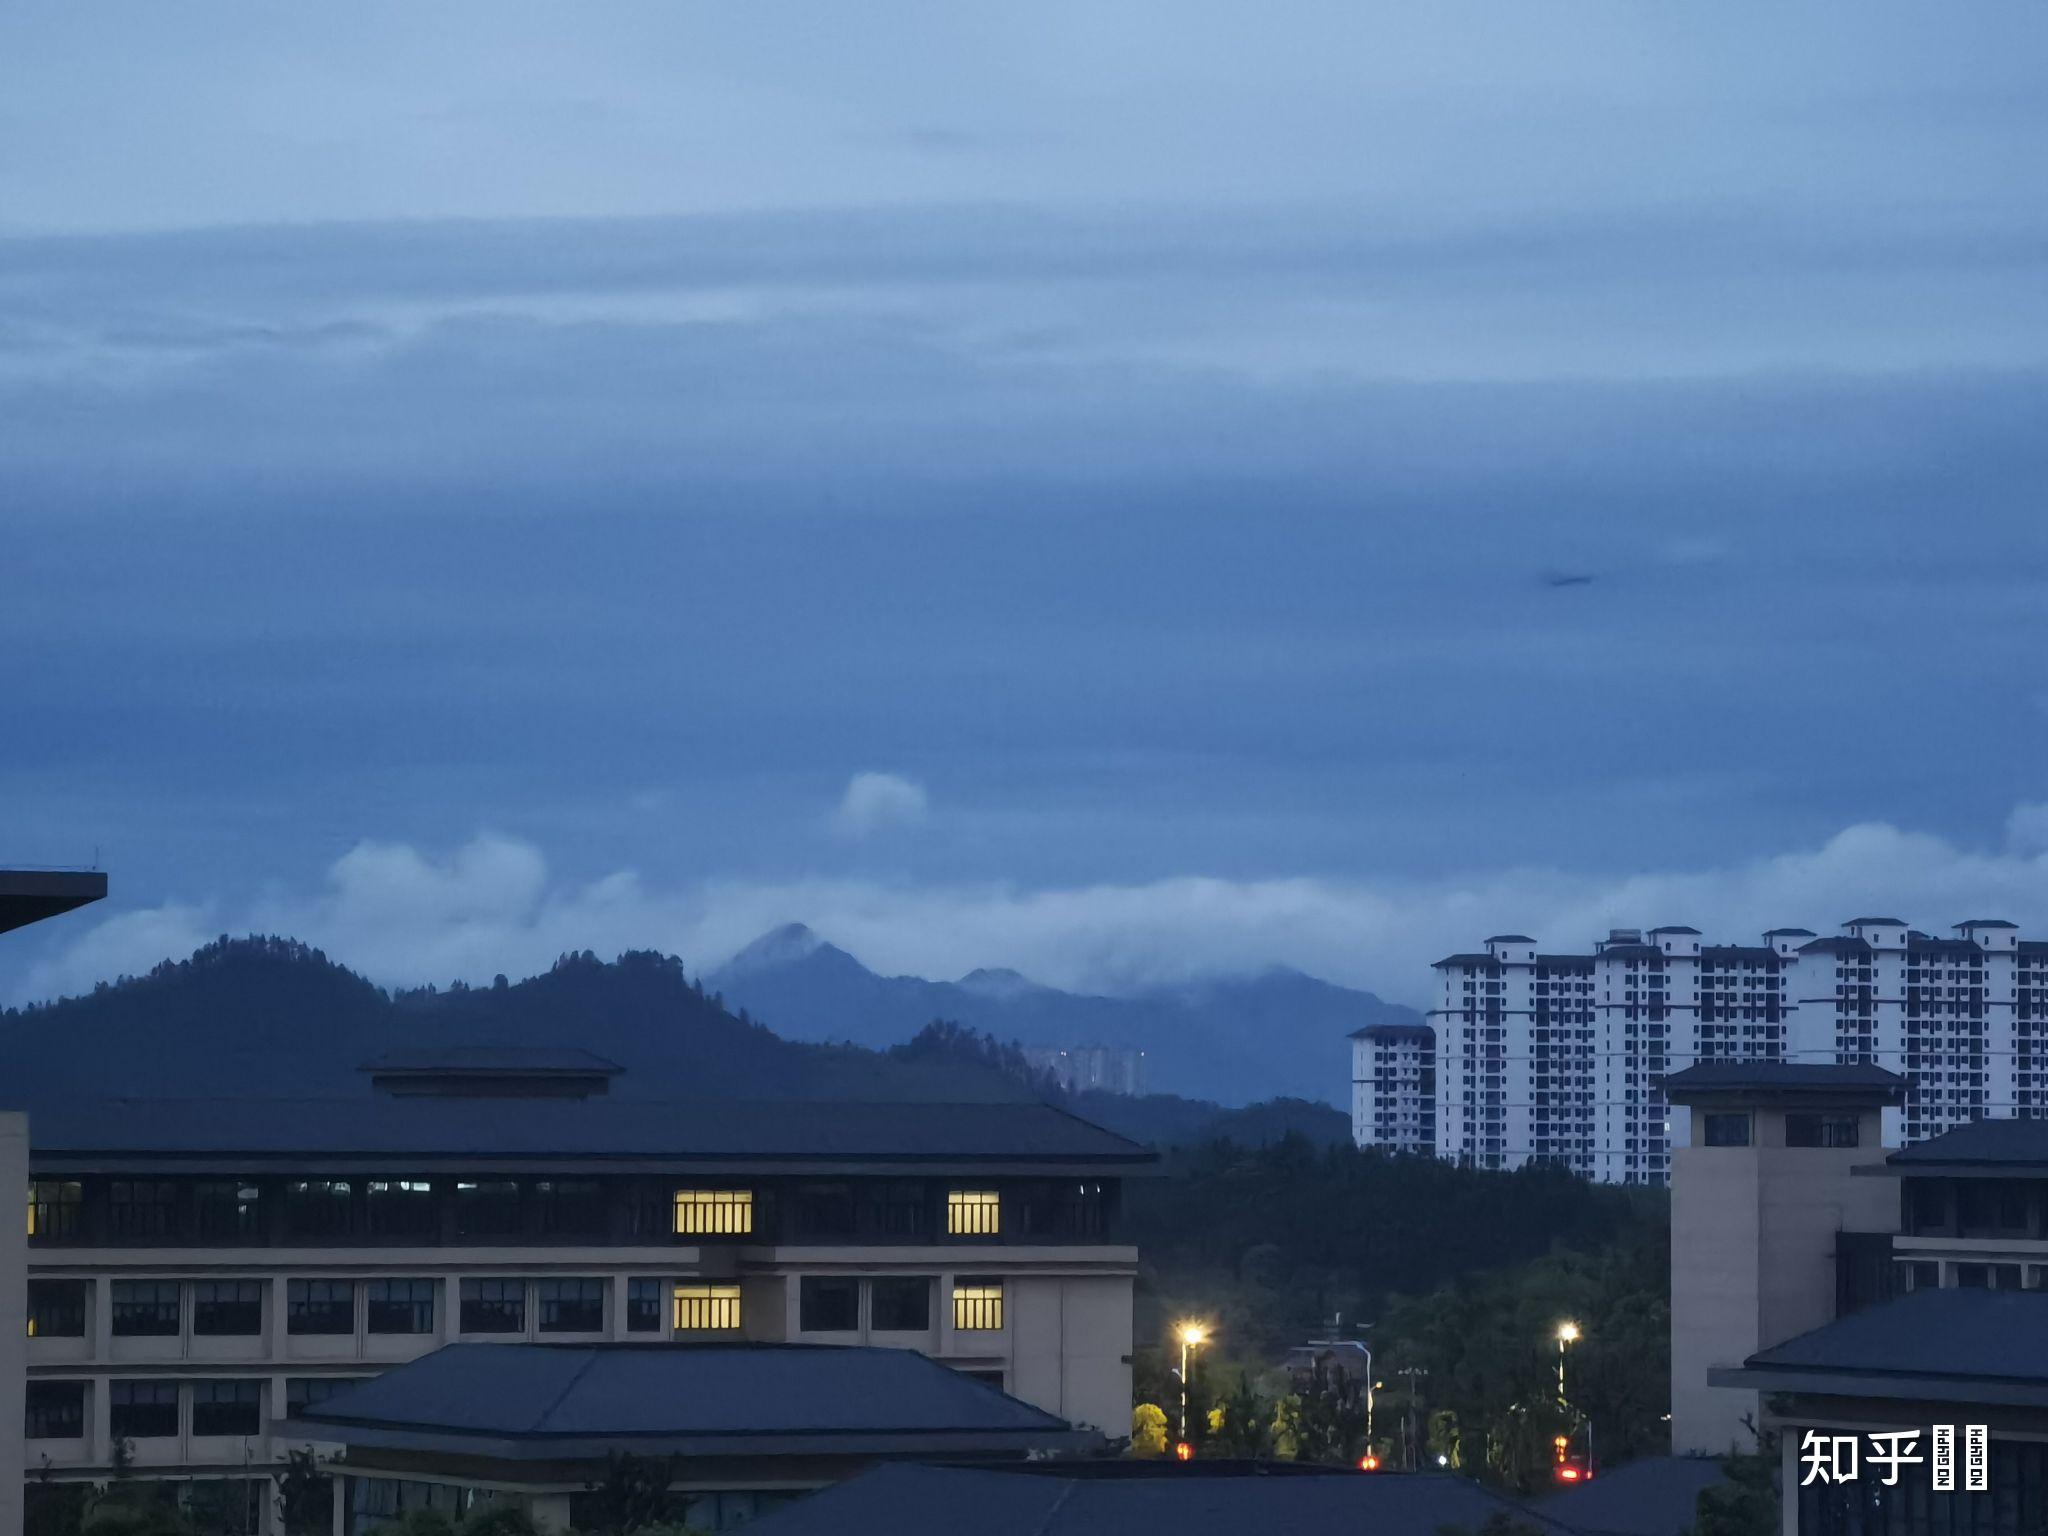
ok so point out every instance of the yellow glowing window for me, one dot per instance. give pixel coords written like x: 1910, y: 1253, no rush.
x: 978, y: 1306
x: 707, y: 1309
x: 54, y: 1208
x: 714, y: 1212
x: 974, y: 1212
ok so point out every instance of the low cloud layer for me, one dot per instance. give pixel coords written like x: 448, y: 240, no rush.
x: 878, y: 802
x: 405, y: 916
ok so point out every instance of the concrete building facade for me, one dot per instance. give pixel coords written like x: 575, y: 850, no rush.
x: 1393, y: 1087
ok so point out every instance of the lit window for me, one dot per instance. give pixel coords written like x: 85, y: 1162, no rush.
x: 714, y: 1212
x: 707, y: 1309
x: 974, y: 1212
x: 54, y: 1208
x: 978, y: 1306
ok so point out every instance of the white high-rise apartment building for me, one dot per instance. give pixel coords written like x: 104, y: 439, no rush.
x: 1559, y: 1057
x: 1393, y: 1087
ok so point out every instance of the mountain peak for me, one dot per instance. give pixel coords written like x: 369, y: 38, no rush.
x: 777, y: 947
x: 998, y: 981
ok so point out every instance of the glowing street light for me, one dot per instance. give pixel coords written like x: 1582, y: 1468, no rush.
x: 1567, y: 1333
x: 1193, y: 1335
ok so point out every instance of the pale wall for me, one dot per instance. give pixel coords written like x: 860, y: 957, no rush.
x: 13, y: 1318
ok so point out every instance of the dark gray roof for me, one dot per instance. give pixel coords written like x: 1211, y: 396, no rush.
x: 1737, y: 952
x: 1922, y: 944
x: 1776, y: 1077
x: 30, y: 895
x: 1575, y: 962
x: 1464, y: 960
x: 1674, y: 928
x: 1875, y: 922
x: 1787, y: 933
x: 1990, y: 1142
x: 498, y: 1060
x: 1631, y: 951
x: 1509, y: 938
x: 1986, y: 922
x: 1959, y: 1345
x: 530, y: 1401
x: 1656, y: 1496
x: 1116, y: 1498
x: 1836, y: 947
x: 389, y: 1130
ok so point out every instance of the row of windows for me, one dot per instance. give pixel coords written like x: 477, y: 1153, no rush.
x: 143, y: 1410
x: 324, y: 1210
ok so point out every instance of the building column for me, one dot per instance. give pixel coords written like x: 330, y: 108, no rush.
x: 550, y: 1511
x: 1788, y: 1481
x: 13, y: 1321
x: 339, y: 1505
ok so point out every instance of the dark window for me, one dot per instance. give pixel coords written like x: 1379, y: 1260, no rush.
x: 401, y: 1208
x: 643, y: 1305
x: 1821, y: 1131
x: 900, y: 1303
x: 493, y: 1306
x: 897, y: 1208
x: 302, y: 1392
x: 56, y: 1410
x: 825, y: 1210
x: 56, y: 1209
x: 828, y: 1304
x: 570, y: 1207
x: 488, y: 1208
x: 1726, y: 1130
x: 400, y: 1306
x: 141, y: 1210
x: 1928, y: 1201
x: 227, y: 1307
x: 317, y: 1208
x: 1064, y: 1208
x: 986, y: 1377
x: 227, y: 1407
x: 1974, y: 1205
x: 569, y: 1306
x: 142, y: 1410
x: 1973, y: 1277
x: 1922, y: 1274
x: 2014, y: 1205
x: 229, y: 1210
x: 145, y: 1308
x: 320, y: 1306
x: 56, y: 1309
x: 2006, y: 1276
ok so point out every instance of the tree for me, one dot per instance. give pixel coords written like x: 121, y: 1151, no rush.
x: 1748, y: 1503
x: 1148, y: 1430
x: 1245, y: 1426
x: 633, y: 1495
x: 304, y: 1494
x: 1327, y: 1423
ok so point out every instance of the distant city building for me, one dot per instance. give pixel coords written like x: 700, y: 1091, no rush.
x: 1110, y: 1068
x: 1393, y: 1087
x: 1558, y: 1057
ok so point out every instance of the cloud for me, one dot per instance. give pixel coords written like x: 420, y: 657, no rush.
x: 403, y: 916
x: 878, y: 802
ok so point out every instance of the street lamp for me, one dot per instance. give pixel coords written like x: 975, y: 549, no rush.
x: 1567, y: 1333
x: 1192, y: 1336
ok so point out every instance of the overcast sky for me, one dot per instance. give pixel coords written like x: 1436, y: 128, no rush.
x: 1110, y: 489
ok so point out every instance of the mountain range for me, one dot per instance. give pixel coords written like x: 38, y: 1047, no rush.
x: 1277, y: 1032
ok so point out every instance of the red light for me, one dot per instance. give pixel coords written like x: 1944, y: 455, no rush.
x: 1182, y: 1451
x: 1368, y: 1463
x: 1568, y: 1474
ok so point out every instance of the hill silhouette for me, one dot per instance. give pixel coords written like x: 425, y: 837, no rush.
x: 271, y: 1017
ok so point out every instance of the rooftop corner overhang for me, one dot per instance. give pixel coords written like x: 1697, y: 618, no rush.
x: 548, y: 1448
x: 1897, y: 1386
x: 1707, y: 1085
x: 31, y: 895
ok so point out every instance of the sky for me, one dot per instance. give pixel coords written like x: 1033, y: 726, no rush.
x: 1116, y: 490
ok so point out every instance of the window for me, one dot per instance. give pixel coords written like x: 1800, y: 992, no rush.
x: 707, y: 1309
x: 714, y: 1212
x: 825, y: 1210
x: 570, y: 1306
x: 145, y: 1309
x: 223, y: 1308
x: 142, y: 1410
x: 1726, y: 1130
x: 987, y: 1378
x: 493, y: 1306
x: 401, y: 1208
x: 301, y: 1392
x: 973, y: 1212
x: 229, y: 1210
x: 570, y: 1207
x: 1974, y: 1205
x: 56, y: 1410
x: 227, y: 1407
x: 1066, y: 1208
x: 900, y: 1304
x: 2014, y: 1205
x: 55, y: 1210
x: 141, y: 1211
x: 977, y: 1305
x: 896, y: 1208
x: 1928, y: 1199
x: 317, y: 1208
x: 1813, y: 1130
x: 320, y: 1306
x: 56, y: 1309
x: 828, y: 1304
x: 487, y: 1208
x: 1975, y: 1277
x: 400, y: 1306
x: 643, y: 1306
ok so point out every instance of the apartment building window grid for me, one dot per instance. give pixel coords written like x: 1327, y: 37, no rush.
x: 974, y: 1213
x: 227, y: 1308
x: 977, y: 1305
x: 714, y: 1212
x: 317, y: 1307
x: 142, y: 1410
x: 56, y: 1309
x: 569, y: 1306
x: 56, y: 1210
x: 404, y: 1306
x: 643, y: 1305
x: 55, y: 1410
x: 493, y: 1306
x: 233, y: 1407
x: 144, y: 1308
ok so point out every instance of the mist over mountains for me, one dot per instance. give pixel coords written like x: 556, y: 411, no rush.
x: 1232, y: 1040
